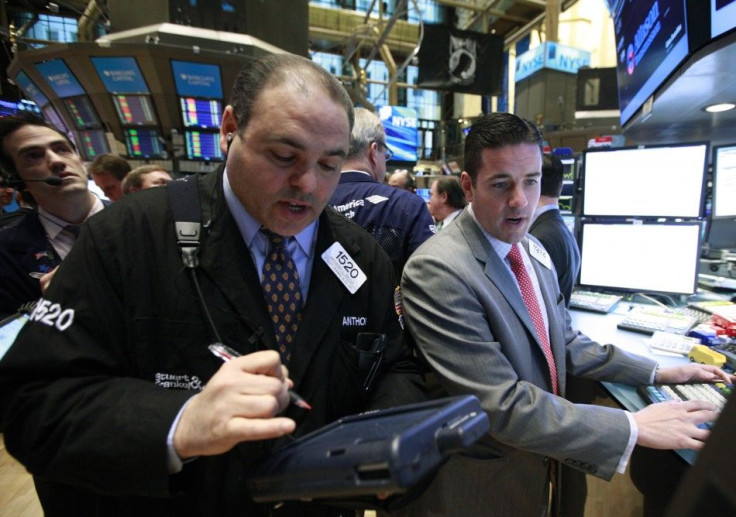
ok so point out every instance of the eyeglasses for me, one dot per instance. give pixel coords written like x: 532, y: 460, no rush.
x: 389, y: 153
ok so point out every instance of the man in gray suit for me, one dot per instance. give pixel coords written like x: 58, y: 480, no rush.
x: 483, y: 340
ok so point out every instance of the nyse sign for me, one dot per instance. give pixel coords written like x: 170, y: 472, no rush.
x: 552, y: 56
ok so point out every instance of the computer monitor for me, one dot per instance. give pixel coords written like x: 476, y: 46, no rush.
x: 49, y: 113
x: 635, y: 257
x: 120, y: 74
x: 201, y: 145
x: 60, y: 78
x: 135, y: 110
x: 197, y: 79
x: 424, y: 193
x: 92, y: 143
x: 722, y: 17
x: 144, y: 143
x: 82, y: 113
x: 722, y: 233
x: 724, y: 181
x: 202, y: 113
x: 651, y: 181
x: 30, y: 89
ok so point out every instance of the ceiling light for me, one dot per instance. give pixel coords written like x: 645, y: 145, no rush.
x: 717, y: 108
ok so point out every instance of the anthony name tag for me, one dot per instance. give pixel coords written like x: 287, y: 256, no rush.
x: 344, y: 267
x: 540, y: 254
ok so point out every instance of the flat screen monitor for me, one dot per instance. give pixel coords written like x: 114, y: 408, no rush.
x: 82, y: 113
x: 92, y: 143
x: 49, y: 113
x: 60, y: 78
x: 655, y: 181
x: 197, y: 79
x: 135, y: 110
x: 30, y: 89
x: 722, y: 233
x: 424, y: 193
x: 722, y: 16
x: 724, y: 181
x: 120, y: 74
x: 402, y: 134
x: 143, y: 143
x: 202, y: 145
x: 651, y: 42
x: 200, y: 112
x: 657, y: 258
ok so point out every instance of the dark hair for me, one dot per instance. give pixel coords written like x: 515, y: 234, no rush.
x: 275, y: 69
x: 110, y: 164
x: 494, y: 131
x: 451, y: 186
x: 552, y: 175
x: 11, y: 124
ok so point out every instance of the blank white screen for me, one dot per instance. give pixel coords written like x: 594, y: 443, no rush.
x: 724, y: 182
x: 647, y: 182
x: 640, y: 257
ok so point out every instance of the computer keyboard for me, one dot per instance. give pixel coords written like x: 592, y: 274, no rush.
x: 672, y: 343
x: 717, y: 282
x: 716, y: 393
x: 650, y: 319
x: 592, y: 301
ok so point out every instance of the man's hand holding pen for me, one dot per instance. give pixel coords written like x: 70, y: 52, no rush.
x: 239, y: 403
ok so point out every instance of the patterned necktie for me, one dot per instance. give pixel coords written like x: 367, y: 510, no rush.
x: 282, y: 289
x: 532, y: 305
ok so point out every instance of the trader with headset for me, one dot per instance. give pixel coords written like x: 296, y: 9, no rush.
x: 39, y: 158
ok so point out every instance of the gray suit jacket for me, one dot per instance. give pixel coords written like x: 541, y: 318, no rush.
x: 470, y: 322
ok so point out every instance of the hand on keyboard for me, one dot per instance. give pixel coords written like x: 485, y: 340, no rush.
x: 692, y: 372
x: 674, y: 425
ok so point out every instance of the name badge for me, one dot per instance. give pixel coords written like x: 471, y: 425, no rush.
x: 536, y: 251
x: 344, y: 267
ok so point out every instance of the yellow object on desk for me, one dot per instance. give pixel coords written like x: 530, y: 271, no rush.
x: 704, y: 355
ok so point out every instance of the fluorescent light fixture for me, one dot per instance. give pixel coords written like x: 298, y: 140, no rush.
x: 717, y: 108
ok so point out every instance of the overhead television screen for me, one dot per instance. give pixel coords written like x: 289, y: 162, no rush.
x: 82, y: 113
x: 135, y: 110
x: 197, y: 79
x: 31, y: 90
x: 92, y: 143
x: 724, y: 181
x: 203, y: 146
x: 120, y: 74
x: 651, y: 42
x: 205, y: 113
x: 402, y: 135
x: 60, y: 78
x: 49, y: 113
x: 144, y: 143
x: 654, y: 181
x: 722, y: 16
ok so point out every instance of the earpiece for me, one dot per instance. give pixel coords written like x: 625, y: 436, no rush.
x: 229, y: 137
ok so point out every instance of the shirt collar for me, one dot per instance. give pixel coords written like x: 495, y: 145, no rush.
x: 53, y: 225
x: 546, y: 208
x: 250, y: 228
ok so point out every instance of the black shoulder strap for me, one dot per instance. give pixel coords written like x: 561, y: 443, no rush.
x: 184, y: 201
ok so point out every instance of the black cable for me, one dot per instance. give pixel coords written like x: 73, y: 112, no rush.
x: 204, y: 306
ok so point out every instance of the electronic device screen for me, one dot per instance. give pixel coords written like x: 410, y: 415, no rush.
x: 30, y: 89
x: 724, y: 181
x: 722, y: 16
x: 92, y: 143
x: 424, y: 193
x: 197, y: 79
x: 60, y: 78
x: 203, y: 146
x: 402, y: 134
x: 143, y: 143
x: 660, y: 258
x: 200, y: 112
x: 120, y: 74
x: 82, y: 113
x: 49, y: 113
x: 135, y: 110
x: 569, y: 220
x: 656, y: 181
x: 722, y: 233
x: 651, y: 42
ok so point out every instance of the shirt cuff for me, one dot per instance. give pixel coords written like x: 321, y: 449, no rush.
x: 653, y: 377
x: 626, y: 456
x: 173, y: 461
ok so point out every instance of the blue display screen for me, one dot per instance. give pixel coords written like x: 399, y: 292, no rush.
x: 120, y: 74
x: 722, y: 16
x: 651, y: 41
x: 200, y: 112
x: 203, y: 146
x: 197, y: 79
x: 30, y: 89
x: 143, y: 143
x: 60, y: 78
x: 92, y: 144
x: 402, y: 135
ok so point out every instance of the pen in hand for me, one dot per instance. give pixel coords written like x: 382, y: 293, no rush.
x: 226, y: 353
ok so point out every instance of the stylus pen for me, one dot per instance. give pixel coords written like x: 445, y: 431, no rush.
x: 226, y: 353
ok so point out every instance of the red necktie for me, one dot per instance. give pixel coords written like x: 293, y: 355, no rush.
x: 532, y: 305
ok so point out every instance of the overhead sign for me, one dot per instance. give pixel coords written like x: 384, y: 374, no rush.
x: 552, y: 56
x: 60, y: 78
x: 197, y: 79
x: 30, y: 89
x: 120, y: 74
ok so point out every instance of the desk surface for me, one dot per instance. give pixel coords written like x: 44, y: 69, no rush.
x: 602, y: 328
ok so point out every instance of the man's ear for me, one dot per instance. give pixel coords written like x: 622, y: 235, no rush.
x: 228, y: 128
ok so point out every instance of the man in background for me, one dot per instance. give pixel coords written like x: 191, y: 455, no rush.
x: 143, y: 177
x: 399, y: 220
x: 108, y: 171
x: 404, y: 180
x: 42, y: 160
x: 446, y: 200
x: 550, y: 228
